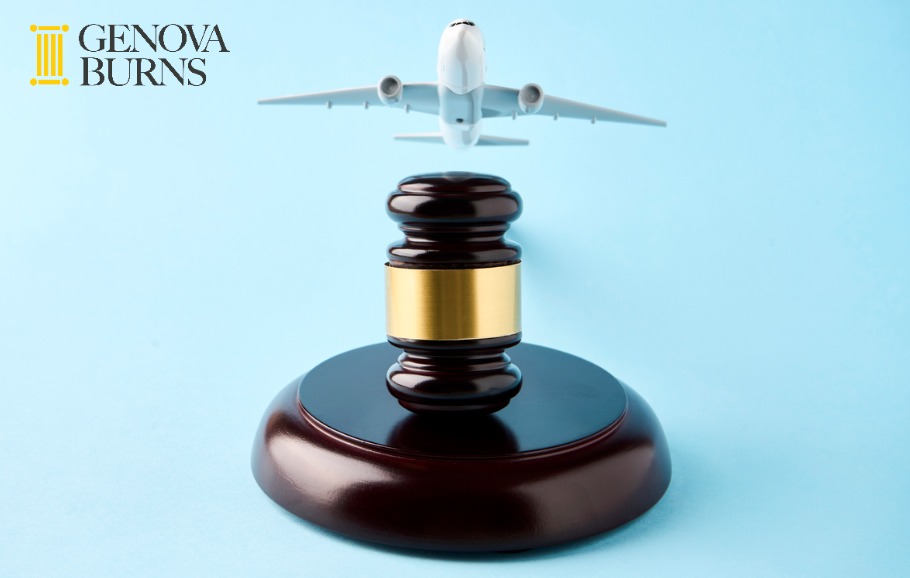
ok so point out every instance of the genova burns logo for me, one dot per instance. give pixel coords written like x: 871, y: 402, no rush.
x: 49, y: 55
x: 129, y: 54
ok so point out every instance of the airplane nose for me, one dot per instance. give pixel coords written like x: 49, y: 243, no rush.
x: 467, y: 37
x: 461, y: 58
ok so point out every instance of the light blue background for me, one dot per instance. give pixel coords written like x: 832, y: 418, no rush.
x: 171, y: 257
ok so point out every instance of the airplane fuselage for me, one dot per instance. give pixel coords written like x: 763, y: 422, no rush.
x: 461, y: 67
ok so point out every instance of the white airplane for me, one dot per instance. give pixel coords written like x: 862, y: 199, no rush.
x: 461, y: 99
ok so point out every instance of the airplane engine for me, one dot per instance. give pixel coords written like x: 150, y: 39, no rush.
x: 530, y: 98
x: 389, y: 90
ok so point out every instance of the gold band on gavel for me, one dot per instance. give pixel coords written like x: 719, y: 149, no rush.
x: 450, y: 304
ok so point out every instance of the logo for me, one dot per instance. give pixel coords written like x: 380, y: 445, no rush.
x: 129, y: 54
x: 49, y: 55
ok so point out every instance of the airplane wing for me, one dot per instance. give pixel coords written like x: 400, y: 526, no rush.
x: 416, y: 96
x: 501, y: 101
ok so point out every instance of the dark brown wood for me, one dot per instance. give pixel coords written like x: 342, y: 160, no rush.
x: 454, y: 220
x: 453, y: 376
x: 587, y: 400
x: 576, y: 454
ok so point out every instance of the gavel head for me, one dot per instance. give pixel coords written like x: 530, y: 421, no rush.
x: 453, y: 298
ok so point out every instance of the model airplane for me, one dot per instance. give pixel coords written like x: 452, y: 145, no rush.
x: 461, y: 99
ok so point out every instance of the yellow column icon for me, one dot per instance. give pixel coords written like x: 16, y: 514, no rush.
x: 49, y: 55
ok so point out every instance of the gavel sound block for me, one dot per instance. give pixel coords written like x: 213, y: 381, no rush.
x: 485, y: 443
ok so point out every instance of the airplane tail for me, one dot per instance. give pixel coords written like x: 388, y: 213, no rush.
x: 499, y: 141
x: 485, y: 140
x: 431, y: 137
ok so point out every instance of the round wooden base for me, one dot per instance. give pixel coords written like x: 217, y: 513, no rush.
x: 574, y: 454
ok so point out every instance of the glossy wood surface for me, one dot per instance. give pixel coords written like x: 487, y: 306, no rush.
x: 486, y: 483
x: 587, y: 400
x: 454, y: 220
